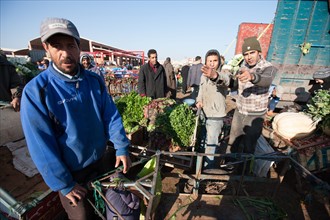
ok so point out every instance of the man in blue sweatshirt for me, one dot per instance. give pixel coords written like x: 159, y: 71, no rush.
x: 68, y: 117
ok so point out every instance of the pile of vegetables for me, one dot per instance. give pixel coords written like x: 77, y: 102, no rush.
x: 233, y: 65
x: 168, y: 123
x: 130, y: 107
x: 319, y: 108
x: 178, y: 124
x: 154, y: 109
x: 24, y: 68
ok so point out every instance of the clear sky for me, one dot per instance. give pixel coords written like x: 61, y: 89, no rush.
x: 176, y: 29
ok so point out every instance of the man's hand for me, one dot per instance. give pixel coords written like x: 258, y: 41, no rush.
x: 199, y: 105
x: 209, y: 72
x: 126, y: 162
x: 77, y: 193
x: 245, y: 76
x: 16, y: 104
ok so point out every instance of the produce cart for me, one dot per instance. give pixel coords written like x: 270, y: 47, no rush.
x: 146, y: 184
x: 310, y: 155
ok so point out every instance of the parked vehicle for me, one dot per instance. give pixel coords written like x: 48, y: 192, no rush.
x: 300, y: 45
x: 297, y: 43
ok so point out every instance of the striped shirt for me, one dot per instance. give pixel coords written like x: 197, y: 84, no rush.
x: 253, y: 96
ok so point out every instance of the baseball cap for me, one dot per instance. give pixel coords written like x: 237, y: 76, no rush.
x: 52, y: 26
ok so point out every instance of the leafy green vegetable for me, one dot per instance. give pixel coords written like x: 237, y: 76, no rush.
x: 177, y: 122
x: 154, y: 108
x: 319, y: 109
x: 130, y: 107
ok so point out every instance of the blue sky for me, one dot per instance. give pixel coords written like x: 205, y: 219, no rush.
x: 176, y: 29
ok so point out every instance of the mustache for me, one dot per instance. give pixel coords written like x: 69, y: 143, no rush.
x: 68, y: 60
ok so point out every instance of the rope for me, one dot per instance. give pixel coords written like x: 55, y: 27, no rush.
x: 99, y: 202
x: 229, y: 46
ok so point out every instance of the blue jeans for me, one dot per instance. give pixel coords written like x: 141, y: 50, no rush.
x: 272, y: 103
x: 213, y: 130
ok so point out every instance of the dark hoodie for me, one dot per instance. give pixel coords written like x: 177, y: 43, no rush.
x: 9, y: 79
x: 324, y: 75
x: 316, y: 86
x: 92, y: 67
x: 214, y: 52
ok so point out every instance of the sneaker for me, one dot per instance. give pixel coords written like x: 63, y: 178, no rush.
x: 228, y: 167
x: 189, y: 185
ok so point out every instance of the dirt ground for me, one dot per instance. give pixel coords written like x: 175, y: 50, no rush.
x: 21, y: 187
x: 218, y: 199
x: 220, y: 203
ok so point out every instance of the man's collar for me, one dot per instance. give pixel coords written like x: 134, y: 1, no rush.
x: 67, y: 75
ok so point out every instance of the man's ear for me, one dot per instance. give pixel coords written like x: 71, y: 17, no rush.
x: 45, y: 46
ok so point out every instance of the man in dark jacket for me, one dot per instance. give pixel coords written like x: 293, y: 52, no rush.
x: 194, y: 76
x: 152, y: 78
x: 184, y: 74
x: 321, y: 80
x: 170, y: 77
x: 9, y: 79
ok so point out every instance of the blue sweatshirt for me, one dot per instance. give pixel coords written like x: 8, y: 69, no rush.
x: 67, y: 122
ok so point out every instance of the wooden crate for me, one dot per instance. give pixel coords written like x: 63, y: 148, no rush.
x: 313, y: 152
x: 138, y: 137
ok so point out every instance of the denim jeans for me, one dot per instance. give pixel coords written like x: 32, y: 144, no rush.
x: 244, y: 133
x: 213, y: 130
x: 272, y: 104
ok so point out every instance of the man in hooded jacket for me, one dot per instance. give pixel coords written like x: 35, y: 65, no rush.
x: 86, y: 61
x: 211, y: 97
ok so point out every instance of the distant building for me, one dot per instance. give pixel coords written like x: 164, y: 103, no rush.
x: 101, y: 52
